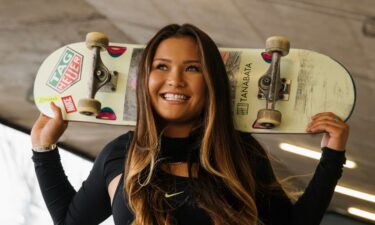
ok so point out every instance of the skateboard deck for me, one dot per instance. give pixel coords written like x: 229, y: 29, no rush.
x: 313, y: 83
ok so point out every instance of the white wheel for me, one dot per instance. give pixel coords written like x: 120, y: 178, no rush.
x: 277, y: 44
x: 97, y: 39
x: 89, y: 107
x: 269, y: 118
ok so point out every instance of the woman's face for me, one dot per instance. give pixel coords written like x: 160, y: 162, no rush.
x: 176, y: 83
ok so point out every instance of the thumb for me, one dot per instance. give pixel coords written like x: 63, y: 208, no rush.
x: 56, y: 111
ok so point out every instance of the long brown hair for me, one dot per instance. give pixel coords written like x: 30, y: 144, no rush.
x: 223, y: 158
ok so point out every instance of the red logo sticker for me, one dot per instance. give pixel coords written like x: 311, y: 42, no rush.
x: 69, y: 105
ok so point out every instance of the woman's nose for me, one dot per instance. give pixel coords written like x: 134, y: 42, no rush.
x: 176, y: 78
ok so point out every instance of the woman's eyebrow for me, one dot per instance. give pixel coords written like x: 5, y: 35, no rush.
x: 192, y: 61
x: 162, y: 59
x: 185, y: 61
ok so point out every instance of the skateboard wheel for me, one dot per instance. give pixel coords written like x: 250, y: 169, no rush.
x: 269, y: 118
x: 97, y: 39
x: 89, y: 107
x: 278, y: 44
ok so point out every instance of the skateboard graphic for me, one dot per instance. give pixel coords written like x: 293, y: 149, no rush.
x: 274, y: 90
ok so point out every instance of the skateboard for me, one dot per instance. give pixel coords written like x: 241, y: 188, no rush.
x: 274, y: 90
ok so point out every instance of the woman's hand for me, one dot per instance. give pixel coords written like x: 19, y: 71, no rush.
x: 47, y: 131
x: 336, y: 132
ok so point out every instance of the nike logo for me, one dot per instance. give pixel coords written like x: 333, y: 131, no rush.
x: 174, y: 194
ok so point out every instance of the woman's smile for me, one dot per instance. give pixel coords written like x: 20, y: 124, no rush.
x: 175, y: 97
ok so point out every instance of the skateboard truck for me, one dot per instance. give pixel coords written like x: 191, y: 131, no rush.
x: 271, y: 86
x: 100, y: 75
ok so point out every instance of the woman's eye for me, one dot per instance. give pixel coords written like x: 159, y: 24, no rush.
x: 193, y: 69
x: 161, y: 67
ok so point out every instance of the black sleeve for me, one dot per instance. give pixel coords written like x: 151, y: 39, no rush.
x: 311, y: 206
x: 91, y: 204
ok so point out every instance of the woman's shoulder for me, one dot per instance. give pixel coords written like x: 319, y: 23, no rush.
x: 116, y: 148
x: 119, y: 144
x: 111, y: 159
x: 252, y: 147
x: 259, y: 160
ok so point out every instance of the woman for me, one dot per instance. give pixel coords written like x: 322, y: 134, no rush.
x: 184, y: 163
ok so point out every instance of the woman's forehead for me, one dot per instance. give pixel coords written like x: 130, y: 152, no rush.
x: 177, y: 47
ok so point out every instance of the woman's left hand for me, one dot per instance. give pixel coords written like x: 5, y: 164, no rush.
x: 336, y: 131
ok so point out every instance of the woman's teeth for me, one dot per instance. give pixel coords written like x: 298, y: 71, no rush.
x: 175, y: 97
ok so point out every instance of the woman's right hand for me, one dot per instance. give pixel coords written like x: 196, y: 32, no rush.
x: 47, y: 131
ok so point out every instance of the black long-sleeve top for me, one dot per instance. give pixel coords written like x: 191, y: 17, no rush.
x: 91, y: 203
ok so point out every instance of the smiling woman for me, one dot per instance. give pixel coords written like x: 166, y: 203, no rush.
x: 184, y: 163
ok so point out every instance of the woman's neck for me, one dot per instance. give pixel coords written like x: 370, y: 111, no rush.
x: 177, y: 130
